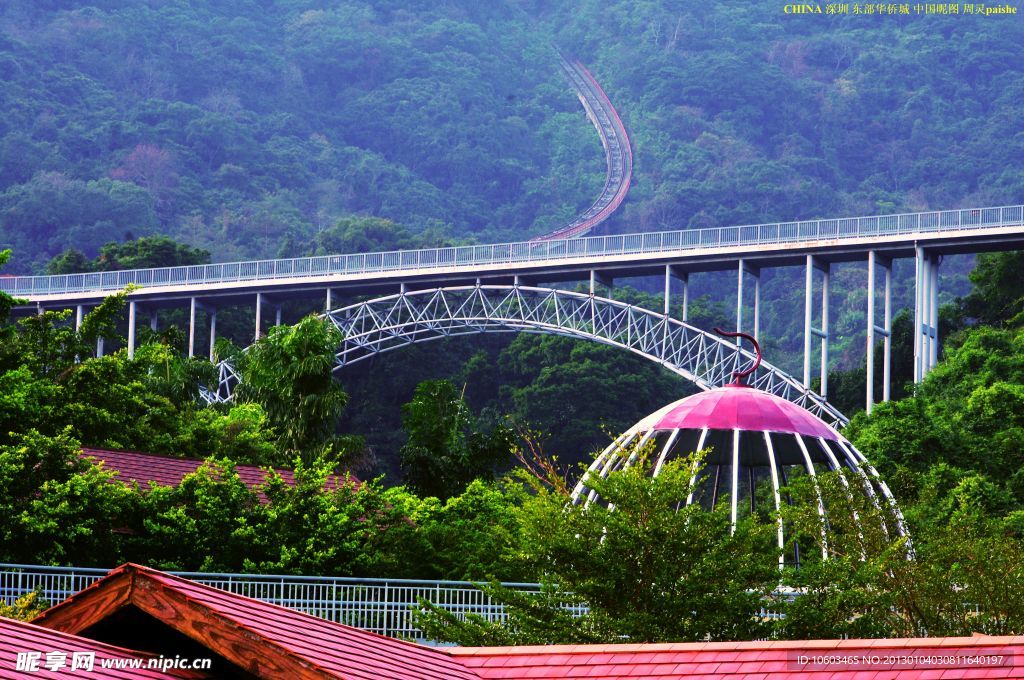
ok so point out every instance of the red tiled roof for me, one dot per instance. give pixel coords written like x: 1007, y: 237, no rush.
x: 19, y: 637
x: 134, y: 466
x: 897, y: 659
x: 253, y: 634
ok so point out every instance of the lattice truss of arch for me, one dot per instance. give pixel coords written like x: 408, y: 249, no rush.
x: 384, y: 324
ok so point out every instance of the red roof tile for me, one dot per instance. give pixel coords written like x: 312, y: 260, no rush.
x: 134, y: 466
x: 18, y: 637
x: 772, y: 660
x: 253, y: 634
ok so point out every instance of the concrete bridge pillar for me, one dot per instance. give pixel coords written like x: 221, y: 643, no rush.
x: 885, y: 330
x: 192, y: 307
x: 132, y: 313
x: 810, y: 332
x: 152, y: 320
x: 672, y: 272
x: 259, y: 315
x: 926, y: 312
x: 213, y: 331
x: 747, y: 268
x: 596, y: 278
x: 79, y: 314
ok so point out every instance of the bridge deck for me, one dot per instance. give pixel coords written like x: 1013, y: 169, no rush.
x: 775, y: 244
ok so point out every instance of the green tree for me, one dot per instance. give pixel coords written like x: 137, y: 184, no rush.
x: 644, y: 568
x: 205, y: 523
x: 289, y: 372
x: 998, y: 295
x: 326, y: 525
x: 447, y: 447
x: 142, y: 253
x: 474, y: 535
x: 58, y: 508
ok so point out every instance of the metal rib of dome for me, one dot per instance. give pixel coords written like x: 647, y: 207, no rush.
x: 758, y: 445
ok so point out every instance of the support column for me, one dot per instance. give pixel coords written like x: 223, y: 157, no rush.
x: 259, y: 315
x: 809, y: 331
x: 887, y: 349
x: 597, y: 277
x: 920, y: 295
x: 743, y: 269
x: 79, y: 315
x: 99, y: 346
x: 808, y: 291
x: 874, y: 330
x: 739, y: 301
x: 926, y: 312
x: 685, y: 278
x: 213, y: 331
x: 152, y: 321
x: 193, y: 305
x: 672, y: 272
x: 933, y: 354
x: 277, y: 316
x: 668, y: 290
x: 825, y: 288
x: 132, y: 311
x: 329, y: 304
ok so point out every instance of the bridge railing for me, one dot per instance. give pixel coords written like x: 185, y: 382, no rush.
x: 382, y: 606
x: 521, y: 252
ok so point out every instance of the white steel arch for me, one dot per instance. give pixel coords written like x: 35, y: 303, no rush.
x: 383, y: 324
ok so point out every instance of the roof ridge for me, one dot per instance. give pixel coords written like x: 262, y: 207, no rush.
x: 149, y: 571
x: 976, y: 640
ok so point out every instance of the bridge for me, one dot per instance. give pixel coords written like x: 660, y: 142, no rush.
x: 670, y: 256
x: 617, y: 150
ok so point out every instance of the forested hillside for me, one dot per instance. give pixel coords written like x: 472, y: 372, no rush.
x: 286, y: 127
x: 245, y: 128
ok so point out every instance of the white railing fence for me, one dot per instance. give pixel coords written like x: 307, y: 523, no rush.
x: 382, y: 606
x: 522, y: 252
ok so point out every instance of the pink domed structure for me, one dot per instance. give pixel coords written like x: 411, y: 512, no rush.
x: 757, y: 444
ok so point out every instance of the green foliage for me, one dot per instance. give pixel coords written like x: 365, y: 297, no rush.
x: 205, y: 523
x: 144, y: 252
x: 25, y: 608
x: 6, y: 300
x: 473, y: 536
x: 372, y: 235
x: 576, y: 392
x: 997, y: 298
x: 57, y: 508
x: 248, y: 131
x: 447, y: 447
x: 646, y: 569
x: 289, y: 372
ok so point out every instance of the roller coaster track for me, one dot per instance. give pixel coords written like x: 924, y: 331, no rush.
x: 617, y: 151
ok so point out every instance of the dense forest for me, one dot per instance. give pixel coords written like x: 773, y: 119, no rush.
x: 145, y: 133
x: 483, y: 501
x: 277, y: 128
x: 247, y: 128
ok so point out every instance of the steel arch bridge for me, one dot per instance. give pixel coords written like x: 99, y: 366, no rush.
x: 387, y: 323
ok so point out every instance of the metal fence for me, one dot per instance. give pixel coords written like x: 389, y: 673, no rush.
x: 382, y: 606
x: 524, y: 252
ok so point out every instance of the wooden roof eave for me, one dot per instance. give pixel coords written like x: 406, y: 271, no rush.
x: 130, y: 586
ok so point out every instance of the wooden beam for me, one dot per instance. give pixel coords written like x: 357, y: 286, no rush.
x: 240, y: 646
x: 90, y: 606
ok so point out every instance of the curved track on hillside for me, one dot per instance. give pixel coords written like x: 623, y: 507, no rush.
x: 617, y: 151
